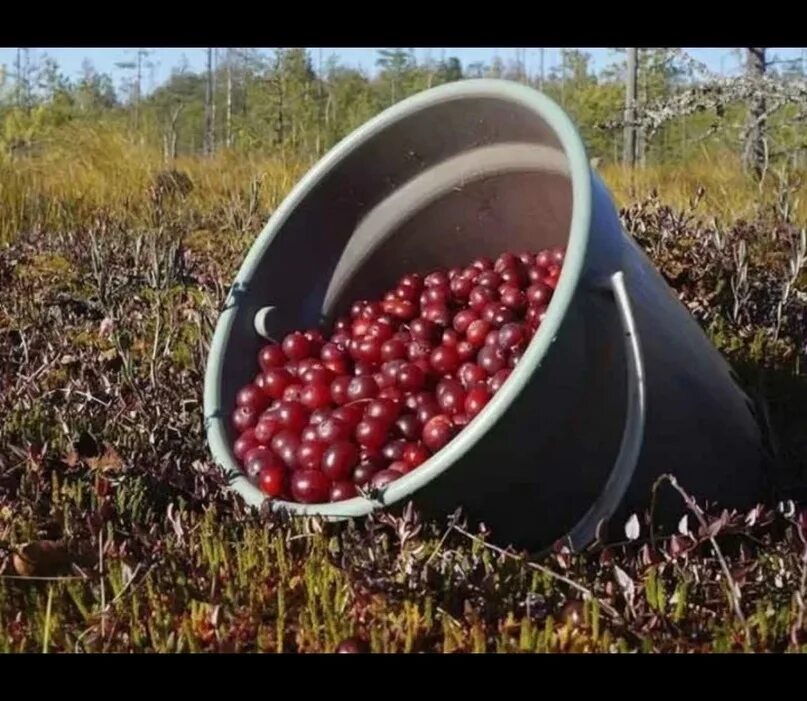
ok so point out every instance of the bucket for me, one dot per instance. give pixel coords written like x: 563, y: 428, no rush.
x: 619, y: 384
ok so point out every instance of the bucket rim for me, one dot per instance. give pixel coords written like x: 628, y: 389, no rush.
x: 576, y: 249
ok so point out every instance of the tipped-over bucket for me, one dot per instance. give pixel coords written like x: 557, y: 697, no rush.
x: 619, y: 384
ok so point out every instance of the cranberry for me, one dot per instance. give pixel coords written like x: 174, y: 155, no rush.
x: 310, y: 487
x: 461, y: 287
x: 437, y: 432
x: 364, y: 472
x: 489, y: 279
x: 343, y: 490
x: 332, y: 429
x: 516, y: 276
x: 339, y: 389
x: 392, y: 393
x: 271, y: 356
x: 437, y: 296
x: 483, y: 263
x: 371, y: 433
x: 450, y: 396
x: 401, y: 309
x: 418, y: 350
x: 505, y: 261
x: 512, y: 297
x: 497, y: 315
x: 318, y: 416
x: 427, y: 412
x: 437, y: 313
x: 350, y: 414
x: 526, y: 258
x: 411, y: 281
x: 285, y: 444
x: 511, y: 336
x: 272, y: 479
x: 364, y: 387
x: 292, y: 393
x: 275, y: 381
x: 557, y: 255
x: 317, y: 374
x: 475, y: 400
x: 244, y: 443
x: 266, y: 427
x: 539, y: 294
x: 495, y: 383
x: 408, y: 426
x: 296, y: 346
x: 339, y: 460
x: 543, y: 259
x: 384, y: 477
x: 481, y: 296
x: 477, y: 331
x: 436, y: 279
x: 394, y: 450
x: 471, y: 374
x: 308, y: 434
x: 410, y: 378
x: 244, y: 418
x: 392, y: 349
x: 400, y: 466
x: 385, y: 410
x: 491, y: 359
x: 292, y: 415
x: 416, y: 454
x: 309, y: 454
x: 463, y: 319
x: 444, y: 359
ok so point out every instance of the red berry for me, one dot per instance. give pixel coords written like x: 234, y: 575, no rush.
x: 272, y: 479
x: 364, y: 471
x: 400, y: 466
x: 495, y: 383
x: 292, y: 415
x: 489, y: 279
x: 296, y: 346
x: 384, y: 477
x: 463, y: 319
x: 271, y: 356
x: 244, y: 443
x: 444, y: 359
x: 475, y: 400
x: 505, y: 261
x: 416, y: 454
x: 371, y: 433
x: 410, y: 378
x: 317, y: 374
x: 244, y: 418
x: 266, y: 427
x: 364, y: 387
x: 450, y: 396
x: 339, y: 389
x: 332, y: 429
x: 481, y: 296
x: 392, y: 349
x: 275, y: 381
x: 308, y: 434
x: 476, y: 332
x: 461, y: 287
x: 341, y: 491
x: 350, y: 414
x: 483, y: 263
x: 471, y: 374
x: 292, y: 393
x: 539, y: 294
x: 385, y: 410
x: 512, y: 297
x: 315, y: 396
x: 437, y: 432
x: 491, y: 359
x: 309, y: 454
x: 284, y: 445
x: 339, y: 460
x: 408, y: 426
x: 511, y: 335
x: 310, y: 487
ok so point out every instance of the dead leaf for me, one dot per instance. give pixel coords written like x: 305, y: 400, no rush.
x: 42, y: 558
x: 632, y: 527
x: 71, y: 459
x: 110, y: 461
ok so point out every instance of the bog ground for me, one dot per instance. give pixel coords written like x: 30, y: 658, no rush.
x: 116, y: 533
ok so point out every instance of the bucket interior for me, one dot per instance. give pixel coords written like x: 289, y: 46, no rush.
x: 432, y: 185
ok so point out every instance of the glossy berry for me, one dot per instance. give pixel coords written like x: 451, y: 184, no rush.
x: 296, y: 346
x: 310, y: 487
x: 343, y: 490
x: 437, y: 432
x: 339, y: 459
x: 381, y: 479
x: 309, y: 454
x: 272, y: 479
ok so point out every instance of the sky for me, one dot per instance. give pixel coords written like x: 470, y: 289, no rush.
x: 722, y: 60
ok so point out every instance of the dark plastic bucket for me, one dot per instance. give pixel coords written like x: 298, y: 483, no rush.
x: 618, y: 386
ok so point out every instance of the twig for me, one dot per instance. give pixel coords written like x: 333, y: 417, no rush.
x: 734, y: 590
x: 610, y: 610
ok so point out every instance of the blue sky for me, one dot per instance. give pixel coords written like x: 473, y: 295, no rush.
x: 717, y: 59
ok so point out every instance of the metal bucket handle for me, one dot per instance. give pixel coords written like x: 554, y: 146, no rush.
x: 607, y: 502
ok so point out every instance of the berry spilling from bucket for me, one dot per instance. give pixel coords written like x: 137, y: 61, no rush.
x: 396, y: 380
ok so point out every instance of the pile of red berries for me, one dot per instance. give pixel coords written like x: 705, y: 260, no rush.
x: 393, y: 383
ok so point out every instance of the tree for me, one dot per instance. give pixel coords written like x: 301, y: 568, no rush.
x: 210, y: 116
x: 755, y: 153
x: 629, y: 154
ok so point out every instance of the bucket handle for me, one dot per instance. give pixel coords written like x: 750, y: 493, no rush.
x: 633, y: 434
